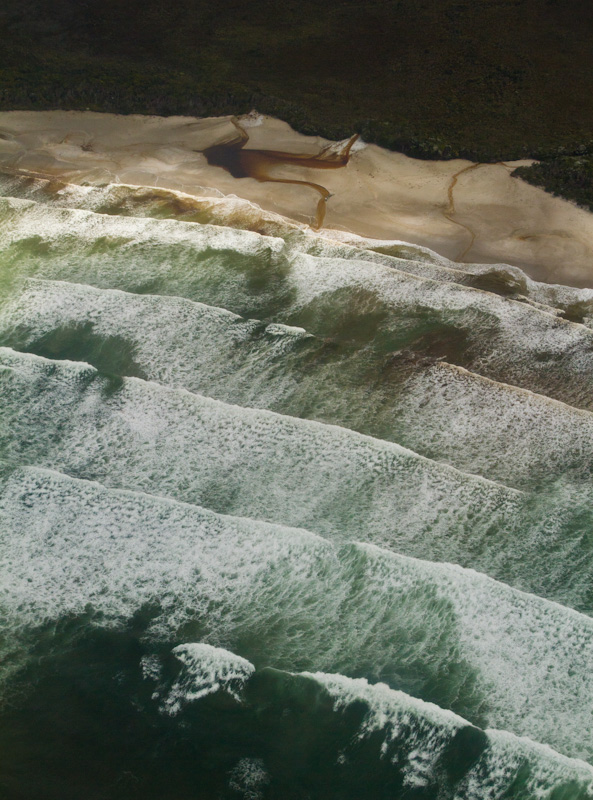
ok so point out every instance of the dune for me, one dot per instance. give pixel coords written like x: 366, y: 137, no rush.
x: 465, y: 211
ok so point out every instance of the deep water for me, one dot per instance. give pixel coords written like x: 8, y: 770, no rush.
x: 286, y: 518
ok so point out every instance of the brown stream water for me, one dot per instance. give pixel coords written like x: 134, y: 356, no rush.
x: 241, y: 163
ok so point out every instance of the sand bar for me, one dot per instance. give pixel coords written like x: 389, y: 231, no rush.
x: 472, y: 213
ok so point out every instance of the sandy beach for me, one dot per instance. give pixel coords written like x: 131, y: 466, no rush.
x: 471, y: 213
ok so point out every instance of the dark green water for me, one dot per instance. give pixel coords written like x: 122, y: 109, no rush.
x: 286, y: 518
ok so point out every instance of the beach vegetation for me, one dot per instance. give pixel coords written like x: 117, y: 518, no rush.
x: 435, y: 79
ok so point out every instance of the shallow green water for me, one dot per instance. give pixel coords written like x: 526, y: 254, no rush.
x: 283, y: 518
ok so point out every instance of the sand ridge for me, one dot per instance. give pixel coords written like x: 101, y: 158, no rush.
x: 473, y: 213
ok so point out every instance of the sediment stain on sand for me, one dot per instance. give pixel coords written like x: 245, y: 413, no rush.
x: 232, y: 156
x: 381, y: 195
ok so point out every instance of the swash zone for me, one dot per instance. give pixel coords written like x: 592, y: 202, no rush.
x: 330, y: 504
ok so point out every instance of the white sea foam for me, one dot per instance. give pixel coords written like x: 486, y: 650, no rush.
x: 206, y: 203
x: 28, y: 218
x: 417, y: 736
x: 175, y: 341
x: 508, y: 658
x: 247, y: 461
x: 68, y: 543
x: 509, y: 755
x: 443, y: 411
x: 255, y: 463
x: 206, y: 670
x: 240, y: 213
x: 510, y: 341
x: 496, y: 430
x: 294, y: 600
x: 423, y: 262
x: 521, y: 645
x: 426, y: 730
x: 507, y: 340
x: 201, y: 262
x: 400, y: 289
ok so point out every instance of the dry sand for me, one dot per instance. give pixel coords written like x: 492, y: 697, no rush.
x: 464, y: 211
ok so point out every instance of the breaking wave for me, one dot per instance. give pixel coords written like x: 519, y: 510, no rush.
x: 283, y: 513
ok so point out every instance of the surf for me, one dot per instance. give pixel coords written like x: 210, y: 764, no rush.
x: 323, y: 497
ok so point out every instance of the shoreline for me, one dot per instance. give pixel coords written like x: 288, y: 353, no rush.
x: 465, y: 211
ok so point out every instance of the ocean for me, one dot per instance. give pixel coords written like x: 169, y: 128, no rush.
x: 284, y: 516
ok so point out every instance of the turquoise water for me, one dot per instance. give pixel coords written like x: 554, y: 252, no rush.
x: 282, y: 517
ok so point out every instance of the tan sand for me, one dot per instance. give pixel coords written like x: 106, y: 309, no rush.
x: 474, y: 213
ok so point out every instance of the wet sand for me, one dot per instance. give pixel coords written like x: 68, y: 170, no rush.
x: 467, y: 212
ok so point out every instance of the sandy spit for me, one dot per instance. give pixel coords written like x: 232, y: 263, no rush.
x: 472, y: 213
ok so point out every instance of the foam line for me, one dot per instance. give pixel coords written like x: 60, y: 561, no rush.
x: 504, y: 339
x: 260, y: 275
x: 438, y: 410
x: 506, y: 433
x: 500, y: 657
x: 169, y: 339
x: 146, y: 201
x: 430, y: 730
x: 207, y: 670
x: 129, y: 434
x: 420, y: 740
